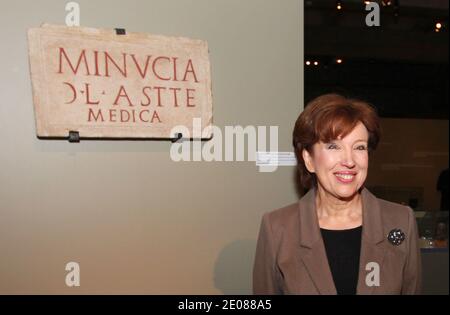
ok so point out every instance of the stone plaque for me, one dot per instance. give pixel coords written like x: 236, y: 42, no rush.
x: 104, y: 84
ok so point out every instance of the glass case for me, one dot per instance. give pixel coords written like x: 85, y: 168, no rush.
x: 433, y: 228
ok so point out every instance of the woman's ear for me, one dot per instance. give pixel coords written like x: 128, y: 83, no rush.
x: 308, y: 161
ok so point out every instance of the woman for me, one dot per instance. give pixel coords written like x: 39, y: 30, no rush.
x: 339, y: 238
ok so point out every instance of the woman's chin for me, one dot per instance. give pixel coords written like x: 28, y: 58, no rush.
x: 346, y: 194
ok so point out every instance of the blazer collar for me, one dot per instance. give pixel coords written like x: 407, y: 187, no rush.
x: 309, y: 223
x: 372, y: 240
x: 312, y: 250
x: 372, y: 222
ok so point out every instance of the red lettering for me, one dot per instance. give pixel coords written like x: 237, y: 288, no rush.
x: 140, y: 115
x: 88, y: 100
x: 123, y: 93
x: 190, y: 69
x: 97, y: 73
x: 74, y: 92
x: 154, y: 66
x: 146, y: 95
x: 158, y: 88
x: 175, y: 68
x: 91, y: 115
x: 189, y: 97
x: 82, y: 57
x: 122, y: 112
x: 175, y: 95
x: 123, y: 70
x: 155, y: 115
x: 112, y: 115
x: 142, y: 73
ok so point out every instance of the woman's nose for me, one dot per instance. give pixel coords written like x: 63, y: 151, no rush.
x: 347, y: 159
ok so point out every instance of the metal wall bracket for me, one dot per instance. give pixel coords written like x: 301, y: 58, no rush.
x: 74, y: 136
x: 120, y: 31
x: 178, y: 136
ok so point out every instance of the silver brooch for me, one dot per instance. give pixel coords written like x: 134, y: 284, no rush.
x: 396, y: 237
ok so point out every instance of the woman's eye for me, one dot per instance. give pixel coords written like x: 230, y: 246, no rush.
x: 332, y: 146
x: 361, y: 147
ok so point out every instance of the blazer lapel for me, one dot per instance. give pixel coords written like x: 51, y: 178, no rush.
x: 312, y: 250
x: 372, y: 239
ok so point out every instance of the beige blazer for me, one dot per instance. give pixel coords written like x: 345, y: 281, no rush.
x: 291, y: 258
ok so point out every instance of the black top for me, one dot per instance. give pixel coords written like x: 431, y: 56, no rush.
x: 343, y: 248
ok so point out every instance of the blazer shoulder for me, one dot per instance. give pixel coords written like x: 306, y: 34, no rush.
x: 280, y: 217
x: 395, y: 212
x: 394, y: 208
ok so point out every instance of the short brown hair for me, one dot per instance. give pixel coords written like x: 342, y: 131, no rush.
x: 329, y: 117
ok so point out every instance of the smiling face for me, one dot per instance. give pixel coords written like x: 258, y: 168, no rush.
x: 340, y: 165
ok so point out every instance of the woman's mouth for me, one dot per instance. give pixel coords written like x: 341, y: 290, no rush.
x: 345, y: 177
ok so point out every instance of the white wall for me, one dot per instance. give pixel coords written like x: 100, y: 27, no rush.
x: 135, y: 221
